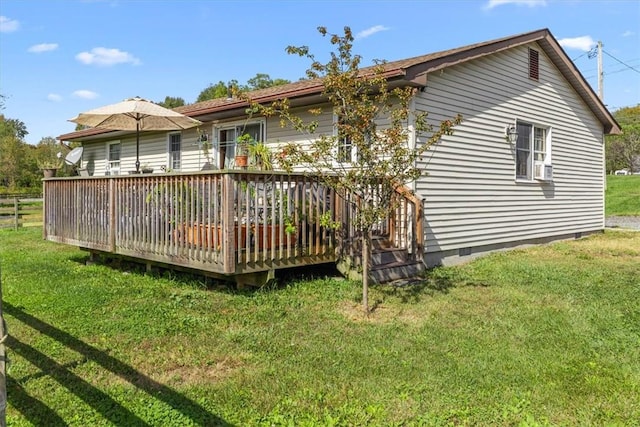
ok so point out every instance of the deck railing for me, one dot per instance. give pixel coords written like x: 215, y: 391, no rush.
x: 226, y: 222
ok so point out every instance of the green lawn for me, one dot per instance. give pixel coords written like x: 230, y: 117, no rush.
x: 544, y: 336
x: 622, y: 196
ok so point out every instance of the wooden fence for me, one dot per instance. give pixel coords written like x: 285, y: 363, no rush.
x: 16, y: 212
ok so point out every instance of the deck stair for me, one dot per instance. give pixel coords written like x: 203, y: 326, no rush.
x: 387, y: 263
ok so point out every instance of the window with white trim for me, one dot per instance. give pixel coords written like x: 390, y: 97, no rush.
x: 226, y: 136
x: 113, y: 158
x: 345, y: 149
x: 533, y: 152
x: 175, y: 151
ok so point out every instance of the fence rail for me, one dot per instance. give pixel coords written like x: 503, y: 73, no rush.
x: 16, y: 212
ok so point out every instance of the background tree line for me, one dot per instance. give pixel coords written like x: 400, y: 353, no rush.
x: 224, y: 90
x: 623, y: 151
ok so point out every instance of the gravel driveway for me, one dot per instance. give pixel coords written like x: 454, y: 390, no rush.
x: 632, y: 222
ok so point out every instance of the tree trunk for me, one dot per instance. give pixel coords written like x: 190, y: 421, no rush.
x: 365, y: 271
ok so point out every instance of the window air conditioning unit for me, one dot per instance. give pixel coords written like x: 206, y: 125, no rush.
x: 542, y: 172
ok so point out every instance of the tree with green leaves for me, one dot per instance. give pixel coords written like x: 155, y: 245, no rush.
x: 215, y: 91
x: 172, y: 102
x: 14, y: 152
x: 361, y: 158
x: 263, y: 81
x: 224, y: 90
x: 623, y: 151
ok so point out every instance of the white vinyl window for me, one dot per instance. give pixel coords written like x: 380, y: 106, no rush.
x: 345, y: 147
x: 533, y: 152
x: 225, y: 144
x: 175, y: 151
x: 113, y: 158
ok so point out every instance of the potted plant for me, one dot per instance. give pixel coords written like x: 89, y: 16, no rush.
x: 260, y: 156
x: 49, y: 157
x: 242, y: 150
x: 146, y: 168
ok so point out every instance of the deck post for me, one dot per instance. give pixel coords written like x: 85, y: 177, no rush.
x: 228, y: 224
x: 45, y: 222
x: 419, y: 238
x: 112, y: 215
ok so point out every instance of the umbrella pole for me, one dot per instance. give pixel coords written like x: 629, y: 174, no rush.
x: 137, y: 146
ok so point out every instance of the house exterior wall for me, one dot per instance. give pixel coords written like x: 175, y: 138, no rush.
x: 473, y: 201
x: 154, y: 145
x: 153, y: 152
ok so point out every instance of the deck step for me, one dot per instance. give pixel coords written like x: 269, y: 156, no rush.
x: 387, y: 264
x: 393, y: 271
x: 388, y: 255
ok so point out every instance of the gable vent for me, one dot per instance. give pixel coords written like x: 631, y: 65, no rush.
x: 534, y: 71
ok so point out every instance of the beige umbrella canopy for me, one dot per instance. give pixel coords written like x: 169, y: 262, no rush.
x: 135, y: 114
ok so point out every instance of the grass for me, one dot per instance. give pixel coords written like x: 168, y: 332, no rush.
x: 622, y: 196
x: 544, y: 336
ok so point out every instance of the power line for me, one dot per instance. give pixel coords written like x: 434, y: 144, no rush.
x: 626, y: 65
x: 578, y: 57
x: 619, y: 70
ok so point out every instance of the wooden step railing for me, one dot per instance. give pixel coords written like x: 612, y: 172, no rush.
x: 403, y: 227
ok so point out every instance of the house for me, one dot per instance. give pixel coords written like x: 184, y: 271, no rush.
x: 525, y: 166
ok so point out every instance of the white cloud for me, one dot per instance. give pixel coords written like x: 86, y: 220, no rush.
x: 628, y: 33
x: 583, y: 43
x: 54, y: 97
x: 103, y: 56
x: 8, y: 25
x: 43, y: 47
x: 531, y: 3
x: 371, y: 31
x: 85, y: 94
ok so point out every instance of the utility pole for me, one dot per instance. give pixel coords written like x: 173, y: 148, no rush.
x: 600, y: 73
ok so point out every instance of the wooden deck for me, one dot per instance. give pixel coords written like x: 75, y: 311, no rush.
x: 233, y: 224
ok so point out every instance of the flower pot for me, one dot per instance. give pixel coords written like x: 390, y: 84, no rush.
x: 268, y: 236
x: 203, y: 235
x: 242, y: 161
x: 49, y: 172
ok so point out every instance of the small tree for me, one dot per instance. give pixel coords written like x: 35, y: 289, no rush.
x: 360, y: 157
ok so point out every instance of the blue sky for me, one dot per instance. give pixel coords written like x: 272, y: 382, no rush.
x: 59, y: 58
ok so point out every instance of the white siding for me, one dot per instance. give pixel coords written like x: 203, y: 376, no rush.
x: 472, y: 197
x: 277, y: 136
x: 153, y: 152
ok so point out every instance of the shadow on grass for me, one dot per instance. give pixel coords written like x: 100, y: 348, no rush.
x: 438, y: 280
x: 110, y: 409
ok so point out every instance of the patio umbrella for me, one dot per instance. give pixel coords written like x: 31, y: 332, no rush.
x: 135, y: 114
